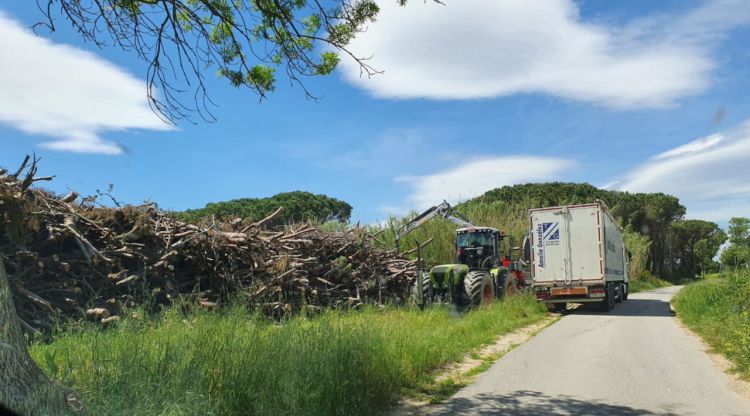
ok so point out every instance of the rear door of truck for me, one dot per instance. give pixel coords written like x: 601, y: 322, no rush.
x: 566, y: 245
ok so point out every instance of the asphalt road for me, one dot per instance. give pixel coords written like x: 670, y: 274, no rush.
x: 635, y: 360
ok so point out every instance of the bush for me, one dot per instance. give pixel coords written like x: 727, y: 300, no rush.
x: 638, y: 246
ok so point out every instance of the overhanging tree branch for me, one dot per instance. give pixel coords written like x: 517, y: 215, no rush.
x: 244, y: 41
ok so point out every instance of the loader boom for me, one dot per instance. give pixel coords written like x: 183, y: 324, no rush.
x: 444, y: 210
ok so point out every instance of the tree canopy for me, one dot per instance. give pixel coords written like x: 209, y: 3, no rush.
x: 298, y: 206
x: 737, y: 254
x: 739, y: 231
x: 244, y: 41
x: 693, y: 245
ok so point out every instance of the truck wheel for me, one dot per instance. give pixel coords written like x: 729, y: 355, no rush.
x: 557, y: 307
x: 611, y: 297
x: 625, y: 291
x: 426, y: 288
x: 608, y: 303
x: 618, y: 293
x: 478, y: 288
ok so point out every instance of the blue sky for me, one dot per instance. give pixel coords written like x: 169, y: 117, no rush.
x: 633, y: 95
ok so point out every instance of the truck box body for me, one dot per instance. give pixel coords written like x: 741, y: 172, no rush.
x: 576, y: 251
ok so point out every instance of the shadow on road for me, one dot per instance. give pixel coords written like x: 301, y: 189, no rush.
x: 525, y: 402
x: 632, y: 307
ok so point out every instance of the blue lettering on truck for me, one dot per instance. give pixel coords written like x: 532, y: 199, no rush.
x: 540, y: 244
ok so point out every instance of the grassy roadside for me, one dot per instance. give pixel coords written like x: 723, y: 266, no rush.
x: 646, y: 282
x: 442, y: 384
x: 235, y: 363
x: 719, y: 311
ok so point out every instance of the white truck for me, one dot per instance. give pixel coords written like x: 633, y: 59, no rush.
x: 577, y: 256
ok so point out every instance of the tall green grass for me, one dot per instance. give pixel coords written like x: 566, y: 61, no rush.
x: 719, y: 310
x: 710, y: 276
x: 638, y: 245
x: 646, y: 281
x: 236, y: 363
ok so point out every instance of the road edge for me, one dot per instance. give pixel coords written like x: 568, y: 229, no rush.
x: 448, y: 380
x: 737, y: 384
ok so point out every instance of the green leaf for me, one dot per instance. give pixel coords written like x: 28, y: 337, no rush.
x: 262, y: 77
x: 328, y: 62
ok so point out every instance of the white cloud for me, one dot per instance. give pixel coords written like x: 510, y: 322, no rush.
x: 471, y: 49
x: 692, y: 147
x: 473, y: 178
x: 712, y: 181
x: 67, y: 93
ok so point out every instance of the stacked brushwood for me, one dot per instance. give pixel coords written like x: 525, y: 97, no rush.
x: 72, y: 258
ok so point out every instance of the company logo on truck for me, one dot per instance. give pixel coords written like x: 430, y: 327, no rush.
x: 551, y: 232
x: 547, y: 233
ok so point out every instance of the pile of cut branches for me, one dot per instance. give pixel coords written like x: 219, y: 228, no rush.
x: 70, y: 257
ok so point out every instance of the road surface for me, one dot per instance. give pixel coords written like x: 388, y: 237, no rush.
x: 635, y: 360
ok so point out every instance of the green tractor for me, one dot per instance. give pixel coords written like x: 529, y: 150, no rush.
x: 480, y: 273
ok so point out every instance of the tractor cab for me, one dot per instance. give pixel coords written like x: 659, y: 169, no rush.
x: 478, y: 247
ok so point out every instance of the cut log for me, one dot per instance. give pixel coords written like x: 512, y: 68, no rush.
x: 98, y: 313
x: 70, y: 197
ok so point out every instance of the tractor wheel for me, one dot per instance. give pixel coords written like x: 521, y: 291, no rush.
x: 426, y: 288
x: 478, y: 288
x: 500, y: 279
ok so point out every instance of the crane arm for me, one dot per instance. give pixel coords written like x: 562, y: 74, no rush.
x: 443, y: 210
x: 458, y: 219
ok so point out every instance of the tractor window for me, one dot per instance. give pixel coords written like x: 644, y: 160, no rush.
x: 482, y: 239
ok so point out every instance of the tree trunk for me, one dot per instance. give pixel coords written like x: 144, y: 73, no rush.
x: 693, y: 260
x: 23, y: 387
